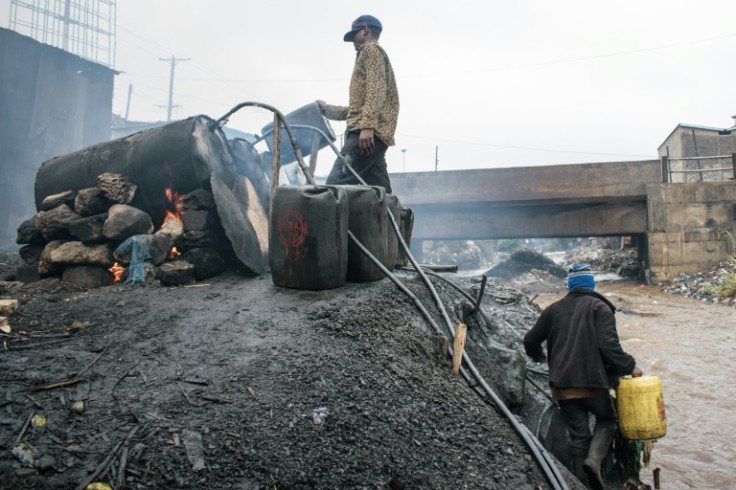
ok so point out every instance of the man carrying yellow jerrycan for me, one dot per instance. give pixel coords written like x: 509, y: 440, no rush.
x: 585, y: 362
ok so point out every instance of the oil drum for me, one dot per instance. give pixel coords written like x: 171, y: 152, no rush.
x: 392, y: 244
x: 370, y: 225
x: 308, y: 240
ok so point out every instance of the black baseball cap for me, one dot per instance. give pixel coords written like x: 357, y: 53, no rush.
x: 359, y: 23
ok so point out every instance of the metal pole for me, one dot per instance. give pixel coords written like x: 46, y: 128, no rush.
x: 436, y: 160
x: 172, y: 61
x: 403, y: 160
x: 127, y: 104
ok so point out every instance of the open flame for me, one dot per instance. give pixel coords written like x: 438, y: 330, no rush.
x: 117, y: 271
x: 174, y: 253
x: 174, y: 209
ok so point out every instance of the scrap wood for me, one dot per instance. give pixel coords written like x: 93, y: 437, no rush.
x: 217, y: 399
x: 458, y: 346
x: 25, y: 426
x: 103, y: 466
x: 92, y: 363
x: 194, y: 404
x: 58, y: 384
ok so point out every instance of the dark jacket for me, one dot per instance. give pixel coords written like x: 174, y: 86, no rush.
x: 583, y: 348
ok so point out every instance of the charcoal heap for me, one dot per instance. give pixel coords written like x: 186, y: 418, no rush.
x: 75, y: 235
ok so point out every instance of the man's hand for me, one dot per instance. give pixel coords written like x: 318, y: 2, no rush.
x: 636, y: 372
x: 542, y: 357
x: 366, y: 143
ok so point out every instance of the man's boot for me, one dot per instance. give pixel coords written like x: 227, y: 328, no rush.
x: 577, y: 469
x: 599, y: 445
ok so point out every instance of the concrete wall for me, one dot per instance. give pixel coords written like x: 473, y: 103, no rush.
x: 51, y: 103
x: 693, y: 141
x: 687, y: 225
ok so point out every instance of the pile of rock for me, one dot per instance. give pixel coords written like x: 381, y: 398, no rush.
x: 715, y: 285
x: 77, y: 236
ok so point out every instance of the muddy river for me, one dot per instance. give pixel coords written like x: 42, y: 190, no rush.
x: 691, y: 346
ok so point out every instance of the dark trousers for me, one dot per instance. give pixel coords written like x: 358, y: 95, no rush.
x: 371, y: 168
x: 576, y: 413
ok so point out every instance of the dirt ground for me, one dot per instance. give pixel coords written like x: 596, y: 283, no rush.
x: 690, y: 345
x: 234, y: 383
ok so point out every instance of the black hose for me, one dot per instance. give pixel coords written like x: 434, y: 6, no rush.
x: 540, y: 454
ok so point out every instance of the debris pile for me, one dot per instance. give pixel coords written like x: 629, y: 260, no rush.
x: 716, y: 285
x: 465, y: 254
x: 529, y: 271
x: 624, y: 262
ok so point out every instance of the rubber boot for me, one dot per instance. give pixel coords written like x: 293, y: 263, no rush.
x: 577, y: 469
x: 599, y: 445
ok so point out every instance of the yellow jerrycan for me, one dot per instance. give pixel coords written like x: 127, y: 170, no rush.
x: 640, y: 408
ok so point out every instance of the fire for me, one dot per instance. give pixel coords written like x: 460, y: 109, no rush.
x: 174, y: 210
x: 174, y: 253
x: 117, y: 270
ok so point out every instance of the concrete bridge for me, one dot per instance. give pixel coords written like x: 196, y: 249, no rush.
x: 678, y: 228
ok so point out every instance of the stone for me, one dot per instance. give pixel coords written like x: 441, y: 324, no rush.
x: 124, y: 221
x: 28, y: 233
x: 198, y: 219
x: 198, y: 199
x: 45, y: 266
x: 31, y: 254
x: 91, y: 201
x: 165, y: 238
x: 87, y: 276
x: 56, y: 200
x: 176, y: 273
x: 54, y: 223
x: 206, y: 261
x: 117, y: 188
x: 89, y: 229
x: 78, y: 253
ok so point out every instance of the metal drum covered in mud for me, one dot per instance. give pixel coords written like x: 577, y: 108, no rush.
x: 370, y: 225
x: 308, y: 243
x: 640, y: 405
x: 180, y: 156
x: 406, y: 225
x: 392, y: 244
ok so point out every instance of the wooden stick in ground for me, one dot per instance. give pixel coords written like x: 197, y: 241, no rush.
x: 458, y: 346
x: 58, y: 384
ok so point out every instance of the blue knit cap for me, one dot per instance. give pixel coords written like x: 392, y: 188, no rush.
x: 580, y: 276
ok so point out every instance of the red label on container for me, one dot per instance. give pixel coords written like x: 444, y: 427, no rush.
x: 292, y: 228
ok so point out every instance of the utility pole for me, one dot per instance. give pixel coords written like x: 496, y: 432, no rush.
x: 436, y: 159
x: 172, y: 61
x: 127, y: 104
x: 403, y: 160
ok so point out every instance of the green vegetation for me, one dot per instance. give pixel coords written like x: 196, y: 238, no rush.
x: 728, y: 288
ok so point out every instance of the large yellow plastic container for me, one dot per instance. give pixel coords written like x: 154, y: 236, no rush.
x: 640, y: 407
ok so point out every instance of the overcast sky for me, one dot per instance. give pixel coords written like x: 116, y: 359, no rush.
x: 490, y: 84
